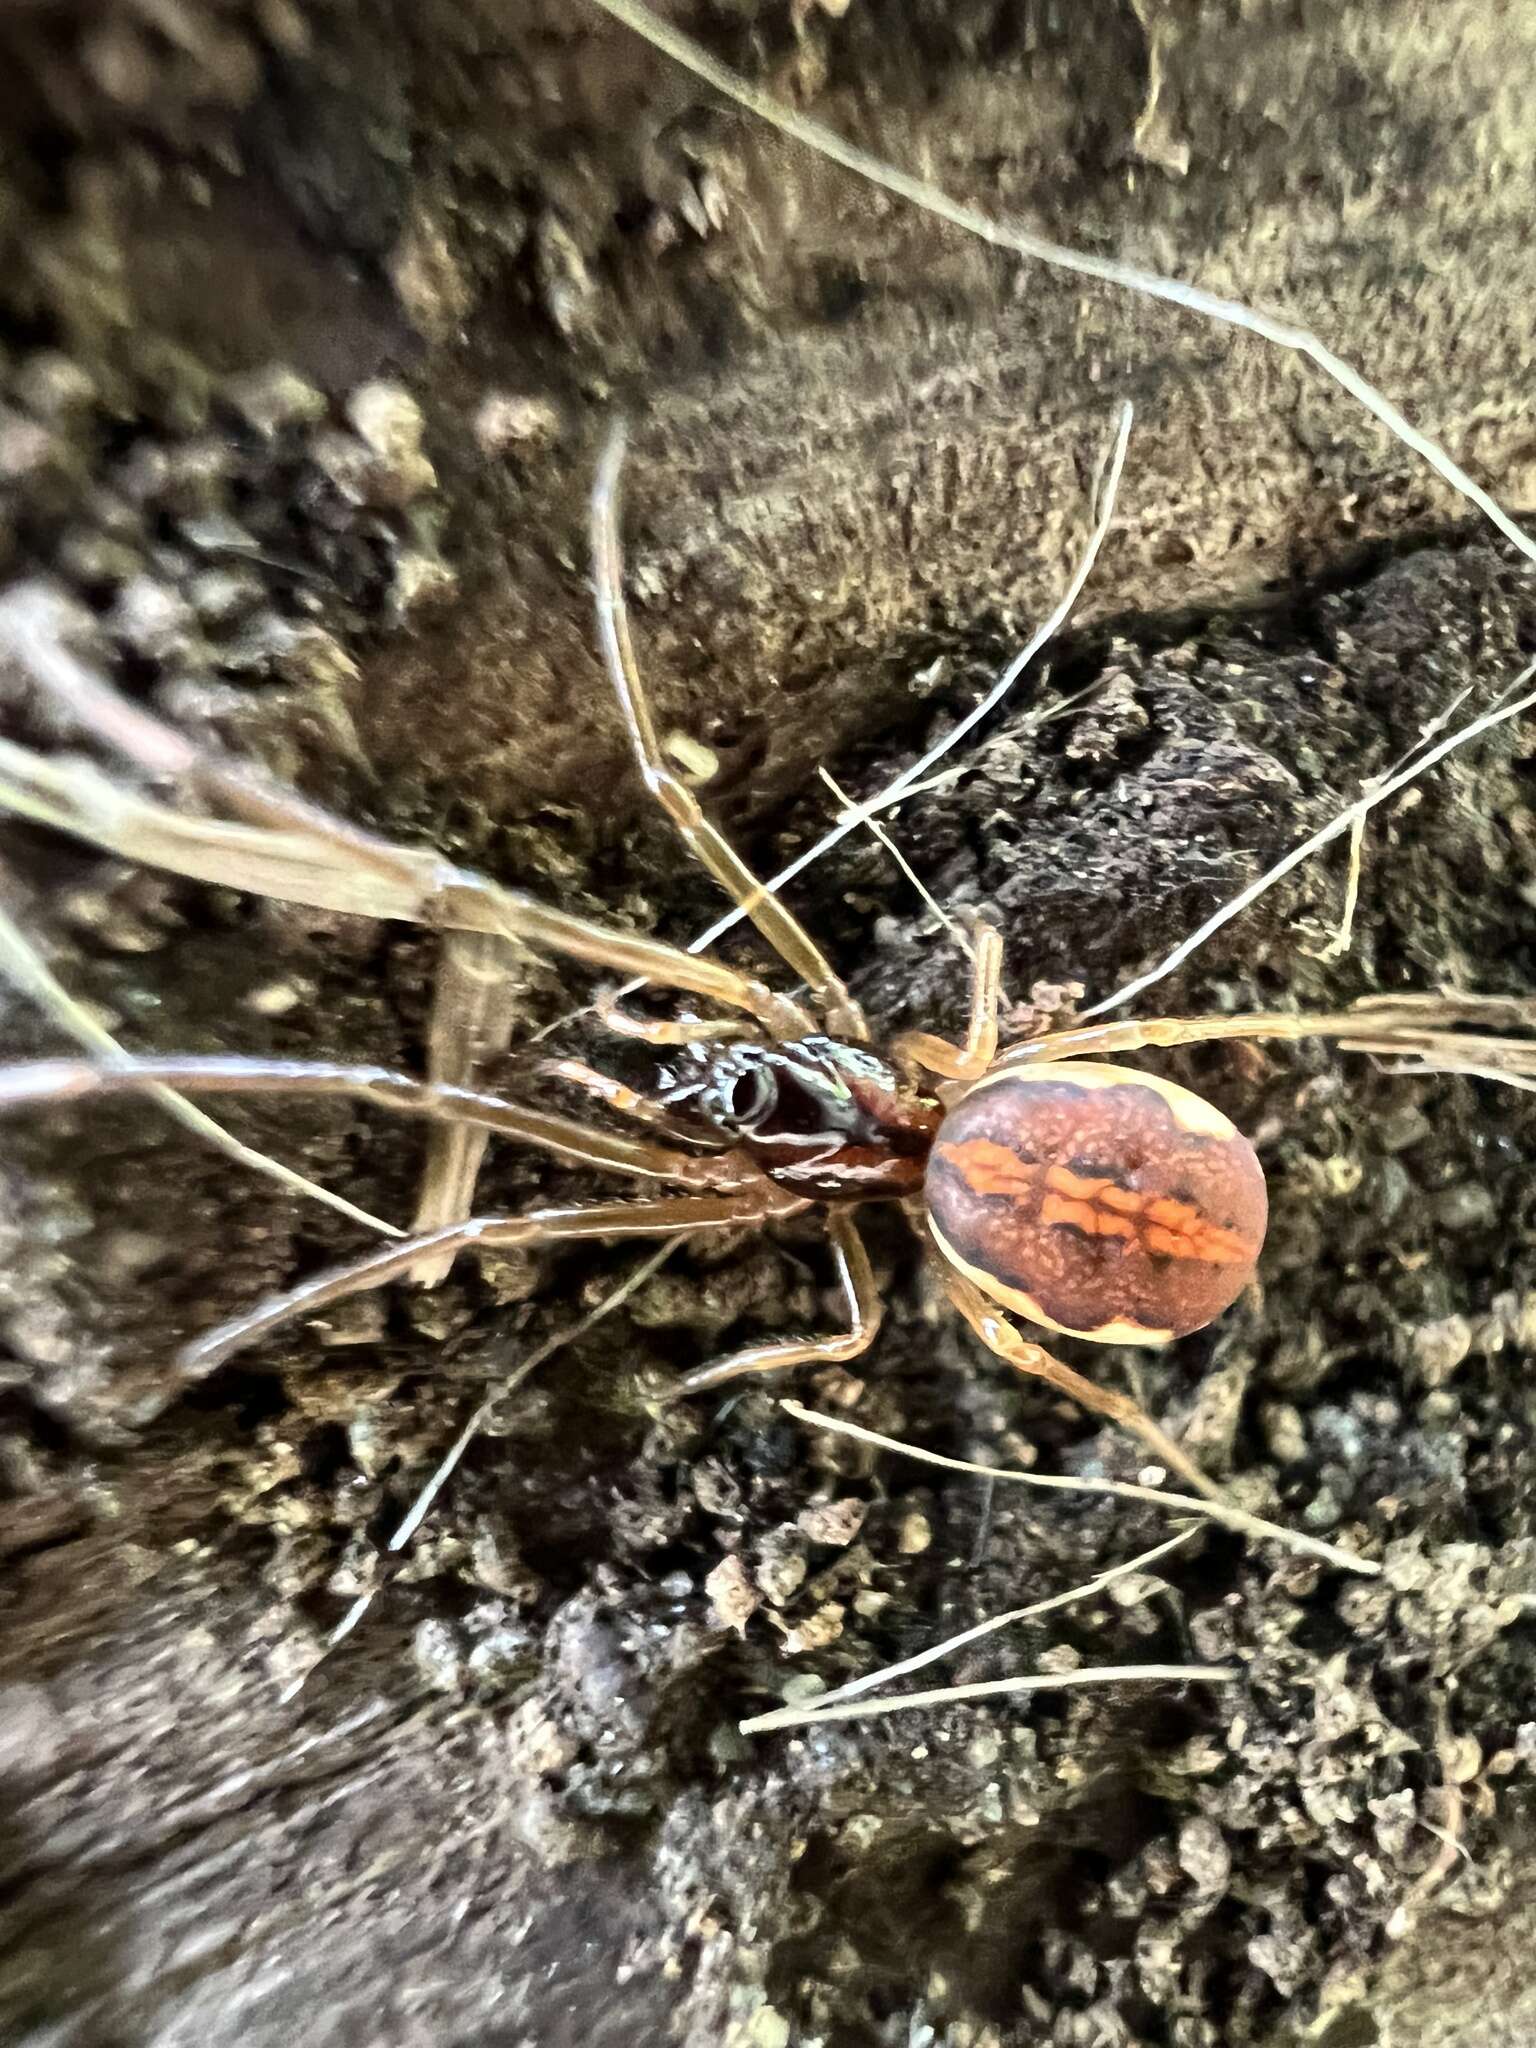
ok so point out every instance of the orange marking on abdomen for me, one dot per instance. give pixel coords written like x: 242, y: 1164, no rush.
x: 988, y: 1168
x: 1081, y: 1186
x: 1193, y: 1237
x: 1095, y: 1205
x: 1092, y: 1221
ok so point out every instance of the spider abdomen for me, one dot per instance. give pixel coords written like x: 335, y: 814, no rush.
x: 1097, y: 1201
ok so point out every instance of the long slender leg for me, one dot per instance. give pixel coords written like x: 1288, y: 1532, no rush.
x: 709, y: 846
x: 1382, y: 1024
x: 34, y: 626
x: 673, y: 1216
x: 1455, y: 1006
x: 52, y: 1081
x: 36, y: 620
x: 624, y: 1023
x: 472, y: 1013
x: 479, y: 905
x: 864, y: 1315
x: 626, y: 1101
x: 27, y: 971
x: 346, y: 870
x: 1000, y: 1337
x: 970, y: 1061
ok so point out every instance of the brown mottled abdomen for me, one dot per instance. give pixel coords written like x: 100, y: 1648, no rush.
x: 1098, y: 1201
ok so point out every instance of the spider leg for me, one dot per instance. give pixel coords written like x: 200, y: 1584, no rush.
x: 865, y: 1310
x: 1413, y: 1024
x: 627, y: 1101
x: 671, y: 1216
x: 50, y: 1081
x: 970, y: 1061
x: 705, y: 841
x: 282, y: 845
x: 1001, y: 1338
x: 334, y: 867
x: 658, y: 1031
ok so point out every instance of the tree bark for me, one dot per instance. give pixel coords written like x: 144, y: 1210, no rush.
x: 315, y: 318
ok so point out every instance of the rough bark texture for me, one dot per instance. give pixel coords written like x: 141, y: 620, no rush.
x: 246, y: 242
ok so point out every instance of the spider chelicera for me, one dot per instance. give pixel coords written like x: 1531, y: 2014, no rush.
x: 1092, y: 1200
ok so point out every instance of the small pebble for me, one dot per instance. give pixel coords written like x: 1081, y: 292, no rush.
x: 25, y: 448
x: 1437, y: 1349
x: 835, y: 1522
x: 1322, y: 1511
x: 53, y: 386
x: 371, y: 1446
x: 274, y: 998
x: 1284, y: 1432
x: 431, y: 284
x: 1465, y: 1207
x: 1522, y: 1322
x: 220, y: 596
x: 816, y: 1631
x: 97, y: 561
x: 781, y: 1567
x: 420, y: 579
x: 565, y: 283
x: 437, y: 1655
x: 274, y: 398
x: 1203, y: 1854
x: 508, y: 421
x: 155, y: 621
x: 388, y: 421
x: 732, y: 1598
x: 1403, y: 1127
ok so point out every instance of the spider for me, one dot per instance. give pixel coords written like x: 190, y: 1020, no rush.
x: 1089, y: 1199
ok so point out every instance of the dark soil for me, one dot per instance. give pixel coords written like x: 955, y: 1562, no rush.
x: 252, y: 260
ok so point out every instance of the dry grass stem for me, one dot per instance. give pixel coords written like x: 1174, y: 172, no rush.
x: 1452, y: 1846
x: 878, y: 832
x: 471, y: 1019
x: 1324, y: 836
x: 994, y: 1689
x: 1120, y: 1489
x: 1340, y: 943
x: 24, y: 967
x: 422, y: 1505
x: 1343, y: 938
x: 1466, y: 1068
x: 1106, y: 487
x: 337, y: 1636
x: 1005, y: 234
x: 443, y: 1473
x: 936, y: 1651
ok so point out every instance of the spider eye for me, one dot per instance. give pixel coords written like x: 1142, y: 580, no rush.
x: 746, y: 1099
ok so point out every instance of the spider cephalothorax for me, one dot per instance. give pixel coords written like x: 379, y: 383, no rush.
x: 818, y: 1115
